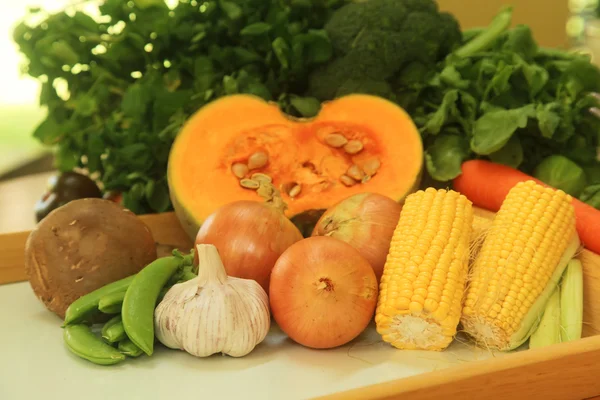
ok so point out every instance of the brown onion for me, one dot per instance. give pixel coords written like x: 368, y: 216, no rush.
x: 250, y: 236
x: 323, y: 293
x: 366, y: 221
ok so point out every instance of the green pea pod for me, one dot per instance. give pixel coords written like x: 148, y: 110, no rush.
x: 127, y: 347
x: 82, y: 342
x: 113, y: 330
x: 141, y: 298
x: 112, y: 303
x: 87, y: 304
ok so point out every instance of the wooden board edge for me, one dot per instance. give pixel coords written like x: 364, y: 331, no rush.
x: 165, y: 228
x: 558, y: 372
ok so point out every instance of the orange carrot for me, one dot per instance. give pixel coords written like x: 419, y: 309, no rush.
x: 486, y: 184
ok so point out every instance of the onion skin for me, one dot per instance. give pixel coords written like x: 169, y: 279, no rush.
x: 367, y: 222
x: 323, y: 293
x: 250, y: 236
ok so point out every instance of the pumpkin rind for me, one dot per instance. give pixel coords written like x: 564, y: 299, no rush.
x: 300, y: 151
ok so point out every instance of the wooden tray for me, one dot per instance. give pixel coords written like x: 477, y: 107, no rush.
x: 562, y: 371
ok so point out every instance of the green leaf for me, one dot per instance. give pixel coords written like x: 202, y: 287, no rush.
x: 495, y: 128
x: 244, y: 56
x: 258, y: 89
x: 591, y: 196
x: 143, y: 4
x: 256, y: 29
x: 135, y: 156
x: 445, y: 157
x: 548, y: 119
x: 66, y: 158
x: 510, y: 154
x: 136, y: 100
x: 536, y: 76
x: 62, y: 51
x: 133, y: 198
x: 204, y: 74
x: 86, y: 105
x: 157, y: 194
x: 232, y: 10
x: 95, y: 148
x: 172, y: 79
x: 85, y: 21
x: 281, y: 50
x: 560, y: 172
x: 451, y: 77
x: 520, y: 40
x: 500, y: 83
x: 230, y: 85
x: 317, y: 47
x: 306, y: 106
x: 48, y: 131
x: 439, y: 117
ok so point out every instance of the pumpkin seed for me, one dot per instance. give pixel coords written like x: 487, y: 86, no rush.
x: 353, y: 147
x: 262, y: 178
x: 250, y: 184
x: 346, y: 180
x: 295, y: 191
x: 265, y: 190
x: 372, y: 166
x: 258, y: 160
x: 335, y: 140
x: 355, y: 172
x: 239, y: 170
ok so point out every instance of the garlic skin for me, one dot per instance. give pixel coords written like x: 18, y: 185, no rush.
x: 213, y: 313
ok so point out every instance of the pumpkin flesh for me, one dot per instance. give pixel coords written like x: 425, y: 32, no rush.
x: 230, y: 130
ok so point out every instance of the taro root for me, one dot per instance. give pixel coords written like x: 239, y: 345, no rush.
x: 83, y: 245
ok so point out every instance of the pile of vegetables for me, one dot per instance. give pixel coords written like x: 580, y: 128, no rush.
x: 325, y: 290
x: 119, y: 87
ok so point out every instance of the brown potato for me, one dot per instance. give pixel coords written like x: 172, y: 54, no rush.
x: 82, y: 246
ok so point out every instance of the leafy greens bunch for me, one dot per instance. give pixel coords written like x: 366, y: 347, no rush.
x: 136, y: 73
x: 502, y: 97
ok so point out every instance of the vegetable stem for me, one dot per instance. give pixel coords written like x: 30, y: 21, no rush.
x: 482, y: 41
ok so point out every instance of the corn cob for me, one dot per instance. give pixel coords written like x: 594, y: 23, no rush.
x: 425, y: 272
x: 526, y: 250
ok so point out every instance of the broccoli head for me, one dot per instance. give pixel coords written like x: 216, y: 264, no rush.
x: 374, y: 40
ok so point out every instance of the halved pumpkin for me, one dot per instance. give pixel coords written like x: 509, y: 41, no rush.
x: 357, y: 143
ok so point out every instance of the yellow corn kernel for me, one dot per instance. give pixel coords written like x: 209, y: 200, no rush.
x: 425, y: 272
x: 532, y: 238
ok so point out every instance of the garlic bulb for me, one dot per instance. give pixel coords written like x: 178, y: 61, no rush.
x: 213, y: 312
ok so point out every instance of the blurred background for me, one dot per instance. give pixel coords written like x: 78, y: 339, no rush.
x: 555, y: 23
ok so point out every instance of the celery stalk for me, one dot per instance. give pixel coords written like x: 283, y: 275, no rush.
x: 548, y: 331
x: 571, y: 302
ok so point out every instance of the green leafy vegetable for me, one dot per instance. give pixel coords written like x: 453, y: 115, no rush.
x: 495, y: 128
x: 445, y: 156
x: 119, y: 87
x: 560, y: 172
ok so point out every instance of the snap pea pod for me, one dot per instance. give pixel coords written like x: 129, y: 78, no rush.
x: 113, y: 330
x: 141, y: 298
x: 87, y: 304
x: 112, y: 303
x: 82, y: 342
x: 127, y: 347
